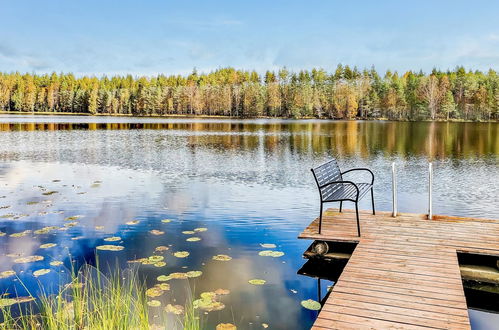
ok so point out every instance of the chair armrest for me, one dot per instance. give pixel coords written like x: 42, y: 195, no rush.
x: 344, y: 182
x: 361, y: 169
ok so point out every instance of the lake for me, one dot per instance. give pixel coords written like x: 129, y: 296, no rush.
x: 234, y: 184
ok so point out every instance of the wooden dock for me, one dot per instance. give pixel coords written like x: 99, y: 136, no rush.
x: 404, y: 272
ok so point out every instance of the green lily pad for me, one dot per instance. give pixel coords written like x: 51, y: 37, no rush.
x: 110, y: 247
x: 166, y: 221
x: 257, y: 281
x: 161, y: 248
x: 113, y: 239
x: 163, y: 278
x: 222, y: 257
x: 40, y: 272
x: 208, y: 302
x: 48, y: 193
x: 175, y: 309
x: 24, y: 260
x: 188, y: 232
x: 45, y: 230
x: 181, y: 254
x: 194, y: 273
x: 47, y: 245
x: 20, y: 234
x: 133, y: 222
x: 2, y: 233
x: 154, y: 303
x: 73, y: 218
x: 193, y: 239
x: 154, y: 292
x: 7, y: 273
x: 155, y: 259
x: 56, y: 263
x: 269, y: 253
x: 311, y: 304
x: 268, y: 246
x: 156, y: 232
x: 159, y: 264
x: 200, y: 229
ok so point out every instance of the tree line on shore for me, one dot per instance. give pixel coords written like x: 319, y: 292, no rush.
x: 345, y: 93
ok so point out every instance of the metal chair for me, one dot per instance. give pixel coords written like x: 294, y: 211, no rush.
x: 332, y: 187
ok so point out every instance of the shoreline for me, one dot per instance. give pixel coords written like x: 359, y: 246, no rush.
x: 189, y: 116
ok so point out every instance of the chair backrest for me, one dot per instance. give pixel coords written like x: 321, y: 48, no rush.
x: 327, y: 172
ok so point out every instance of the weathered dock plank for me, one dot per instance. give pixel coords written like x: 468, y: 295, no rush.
x: 404, y: 272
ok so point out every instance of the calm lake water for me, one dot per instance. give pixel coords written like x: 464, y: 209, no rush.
x: 248, y: 182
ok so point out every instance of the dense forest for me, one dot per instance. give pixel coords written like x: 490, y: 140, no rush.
x: 344, y: 93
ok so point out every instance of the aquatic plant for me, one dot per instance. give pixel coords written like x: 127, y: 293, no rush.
x: 93, y: 300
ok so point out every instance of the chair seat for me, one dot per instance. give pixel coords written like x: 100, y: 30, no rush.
x: 343, y: 191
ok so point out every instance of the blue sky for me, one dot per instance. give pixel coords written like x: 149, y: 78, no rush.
x: 150, y: 37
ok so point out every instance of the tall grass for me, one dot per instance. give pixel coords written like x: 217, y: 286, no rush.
x: 95, y: 301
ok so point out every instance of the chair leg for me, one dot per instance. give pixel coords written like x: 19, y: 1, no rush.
x: 341, y: 205
x: 320, y: 220
x: 357, y: 213
x: 372, y: 199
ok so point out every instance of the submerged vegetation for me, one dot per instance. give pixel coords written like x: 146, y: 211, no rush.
x: 95, y: 301
x: 345, y: 93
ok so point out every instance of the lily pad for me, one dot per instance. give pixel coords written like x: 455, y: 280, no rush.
x: 24, y: 260
x: 155, y: 259
x: 201, y: 229
x: 45, y: 230
x: 157, y: 290
x: 222, y: 257
x: 7, y: 273
x: 311, y: 304
x: 268, y: 245
x: 56, y: 263
x: 41, y: 272
x: 257, y: 281
x: 20, y: 234
x: 181, y: 254
x: 269, y: 253
x: 222, y: 292
x: 175, y: 309
x: 160, y: 264
x: 48, y: 193
x: 154, y: 292
x: 166, y: 221
x: 73, y: 218
x: 156, y: 232
x: 2, y: 233
x: 110, y: 247
x: 193, y: 239
x: 112, y: 239
x: 188, y: 232
x: 161, y: 248
x: 194, y: 273
x: 47, y: 245
x: 226, y: 326
x: 133, y: 222
x: 208, y: 302
x: 154, y: 303
x: 99, y: 227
